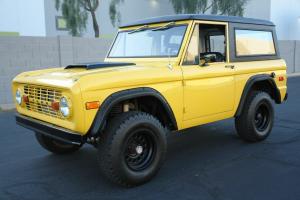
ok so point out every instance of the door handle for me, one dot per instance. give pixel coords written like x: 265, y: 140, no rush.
x: 230, y: 66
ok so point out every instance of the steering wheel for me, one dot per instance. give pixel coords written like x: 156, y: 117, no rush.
x: 213, y: 56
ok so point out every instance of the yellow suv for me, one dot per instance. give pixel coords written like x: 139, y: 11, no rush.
x: 161, y: 75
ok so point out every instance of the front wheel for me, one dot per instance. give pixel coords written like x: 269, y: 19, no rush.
x: 55, y: 146
x: 257, y: 118
x: 132, y: 149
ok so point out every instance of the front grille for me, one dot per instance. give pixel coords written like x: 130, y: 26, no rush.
x: 41, y: 98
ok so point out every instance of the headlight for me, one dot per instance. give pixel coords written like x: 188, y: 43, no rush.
x: 64, y: 107
x: 18, y: 97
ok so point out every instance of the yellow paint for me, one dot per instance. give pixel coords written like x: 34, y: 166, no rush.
x: 197, y: 95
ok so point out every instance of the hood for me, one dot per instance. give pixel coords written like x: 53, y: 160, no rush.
x: 99, y: 76
x: 66, y: 77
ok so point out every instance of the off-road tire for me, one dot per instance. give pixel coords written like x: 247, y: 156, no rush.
x: 256, y: 120
x: 55, y: 146
x: 122, y: 135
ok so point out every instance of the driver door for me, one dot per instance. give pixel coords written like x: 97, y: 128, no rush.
x: 208, y: 89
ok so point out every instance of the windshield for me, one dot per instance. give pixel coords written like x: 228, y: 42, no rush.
x: 164, y: 42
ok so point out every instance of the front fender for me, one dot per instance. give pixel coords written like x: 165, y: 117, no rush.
x: 103, y: 112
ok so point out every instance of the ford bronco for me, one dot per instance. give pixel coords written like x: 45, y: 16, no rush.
x: 161, y: 75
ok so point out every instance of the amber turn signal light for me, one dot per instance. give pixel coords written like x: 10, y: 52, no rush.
x: 281, y: 78
x: 92, y: 105
x: 55, y: 105
x: 25, y: 99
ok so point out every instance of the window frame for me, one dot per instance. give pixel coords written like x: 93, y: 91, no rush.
x: 254, y: 30
x: 57, y: 18
x: 163, y: 56
x: 232, y: 43
x: 214, y: 36
x: 227, y: 39
x: 188, y: 44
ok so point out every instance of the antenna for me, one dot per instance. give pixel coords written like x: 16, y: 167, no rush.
x: 169, y: 60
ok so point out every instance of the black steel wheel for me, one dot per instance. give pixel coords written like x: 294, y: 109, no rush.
x: 140, y: 149
x: 262, y: 117
x: 132, y: 149
x: 257, y: 118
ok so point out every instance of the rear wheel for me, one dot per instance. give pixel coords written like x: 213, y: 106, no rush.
x: 55, y: 146
x: 132, y: 149
x: 256, y: 121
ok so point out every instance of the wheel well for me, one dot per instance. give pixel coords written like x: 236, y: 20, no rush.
x: 261, y: 83
x: 147, y: 104
x: 268, y: 87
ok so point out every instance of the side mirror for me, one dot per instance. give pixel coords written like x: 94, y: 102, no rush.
x: 204, y: 61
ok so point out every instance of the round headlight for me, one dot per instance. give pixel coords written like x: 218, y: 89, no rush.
x: 64, y: 107
x: 18, y: 97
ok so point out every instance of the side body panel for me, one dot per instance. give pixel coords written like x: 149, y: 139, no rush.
x: 214, y: 93
x: 249, y: 66
x: 246, y: 70
x: 209, y: 91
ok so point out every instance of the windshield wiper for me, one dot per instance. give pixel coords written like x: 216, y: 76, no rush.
x: 142, y: 28
x: 167, y: 26
x: 145, y: 27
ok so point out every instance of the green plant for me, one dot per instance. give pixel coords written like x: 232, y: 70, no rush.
x: 220, y: 7
x: 76, y: 14
x: 114, y: 13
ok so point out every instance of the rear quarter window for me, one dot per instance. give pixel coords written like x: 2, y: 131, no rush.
x: 254, y: 43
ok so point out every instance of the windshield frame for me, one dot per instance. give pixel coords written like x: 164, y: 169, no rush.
x: 149, y: 28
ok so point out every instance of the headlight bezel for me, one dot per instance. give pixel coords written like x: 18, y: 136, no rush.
x: 65, y: 107
x: 18, y: 97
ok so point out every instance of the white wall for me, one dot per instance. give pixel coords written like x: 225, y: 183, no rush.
x: 258, y: 9
x: 24, y: 16
x: 50, y: 19
x: 28, y: 16
x: 286, y: 15
x: 132, y: 10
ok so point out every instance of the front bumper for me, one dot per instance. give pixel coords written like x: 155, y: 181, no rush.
x: 50, y: 130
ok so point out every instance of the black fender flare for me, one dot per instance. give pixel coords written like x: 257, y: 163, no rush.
x: 255, y: 79
x: 105, y: 108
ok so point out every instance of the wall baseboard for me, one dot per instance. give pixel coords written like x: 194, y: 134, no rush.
x: 7, y: 107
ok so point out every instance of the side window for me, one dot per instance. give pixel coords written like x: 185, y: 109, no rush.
x: 207, y: 43
x: 192, y: 54
x: 212, y: 43
x: 217, y: 43
x: 254, y: 43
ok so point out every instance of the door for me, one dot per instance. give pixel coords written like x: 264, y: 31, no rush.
x: 208, y: 78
